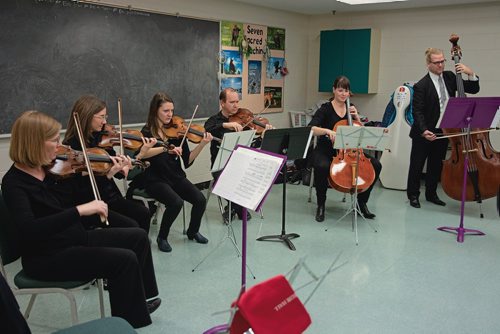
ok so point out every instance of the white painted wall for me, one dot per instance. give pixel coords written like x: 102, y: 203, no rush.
x: 405, y: 36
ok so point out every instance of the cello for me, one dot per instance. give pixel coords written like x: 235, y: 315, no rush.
x: 350, y: 171
x: 483, y: 162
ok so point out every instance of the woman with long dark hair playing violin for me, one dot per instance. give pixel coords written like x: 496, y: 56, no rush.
x: 93, y: 114
x: 165, y: 180
x: 322, y: 124
x: 53, y: 243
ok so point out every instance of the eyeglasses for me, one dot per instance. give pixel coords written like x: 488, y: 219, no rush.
x: 441, y: 62
x: 103, y: 117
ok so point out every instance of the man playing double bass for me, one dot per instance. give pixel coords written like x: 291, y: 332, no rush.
x: 430, y: 97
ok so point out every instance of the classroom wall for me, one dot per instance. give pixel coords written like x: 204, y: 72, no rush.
x: 405, y: 36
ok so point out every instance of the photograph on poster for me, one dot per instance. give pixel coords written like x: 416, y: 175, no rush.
x: 232, y: 82
x: 254, y: 76
x: 276, y: 38
x: 231, y: 33
x: 274, y: 66
x: 233, y: 64
x: 272, y: 97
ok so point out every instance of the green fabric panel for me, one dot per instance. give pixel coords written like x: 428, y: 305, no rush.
x: 357, y: 58
x: 23, y: 281
x: 111, y: 325
x: 330, y: 58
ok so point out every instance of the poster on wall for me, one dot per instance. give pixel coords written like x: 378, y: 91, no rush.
x: 231, y: 33
x: 232, y: 64
x: 254, y: 37
x: 254, y: 76
x: 273, y: 97
x: 232, y: 82
x: 274, y: 67
x: 276, y: 38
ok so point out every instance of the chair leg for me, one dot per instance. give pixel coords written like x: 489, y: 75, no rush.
x: 72, y: 306
x: 30, y: 306
x: 183, y: 220
x: 100, y: 289
x: 311, y: 185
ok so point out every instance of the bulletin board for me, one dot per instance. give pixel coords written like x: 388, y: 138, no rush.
x: 252, y: 61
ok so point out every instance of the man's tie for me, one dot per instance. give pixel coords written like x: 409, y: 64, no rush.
x: 442, y: 91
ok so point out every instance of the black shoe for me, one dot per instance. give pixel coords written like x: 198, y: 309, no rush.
x: 163, y: 245
x: 320, y: 213
x: 414, y: 201
x: 153, y: 304
x: 225, y: 215
x: 198, y: 238
x: 434, y: 199
x: 364, y: 210
x: 240, y: 215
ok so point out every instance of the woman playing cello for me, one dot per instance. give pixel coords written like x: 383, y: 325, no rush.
x: 322, y: 124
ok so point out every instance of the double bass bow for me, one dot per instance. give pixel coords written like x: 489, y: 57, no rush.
x: 350, y: 171
x: 473, y: 147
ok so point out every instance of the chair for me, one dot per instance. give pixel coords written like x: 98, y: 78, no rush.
x: 110, y: 325
x: 25, y: 285
x: 141, y: 195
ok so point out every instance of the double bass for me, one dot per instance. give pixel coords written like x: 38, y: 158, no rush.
x: 483, y: 162
x: 350, y: 171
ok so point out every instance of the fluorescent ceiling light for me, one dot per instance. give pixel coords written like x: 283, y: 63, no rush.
x: 364, y: 2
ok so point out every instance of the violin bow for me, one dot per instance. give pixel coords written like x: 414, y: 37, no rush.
x: 87, y: 163
x: 189, y: 125
x: 122, y: 150
x: 444, y: 135
x: 254, y: 116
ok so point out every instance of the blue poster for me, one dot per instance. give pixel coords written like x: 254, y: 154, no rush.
x: 232, y: 82
x: 254, y: 76
x: 232, y: 62
x: 274, y: 66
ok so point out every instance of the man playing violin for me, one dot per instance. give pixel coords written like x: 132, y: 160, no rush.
x: 165, y: 180
x: 322, y: 124
x: 430, y: 96
x: 218, y: 125
x: 93, y: 115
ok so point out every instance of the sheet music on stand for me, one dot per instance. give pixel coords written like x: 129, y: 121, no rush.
x: 248, y: 176
x: 229, y: 141
x: 372, y: 138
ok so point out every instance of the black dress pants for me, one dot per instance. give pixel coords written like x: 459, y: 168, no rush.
x: 122, y: 255
x: 173, y: 197
x: 432, y: 151
x: 133, y: 210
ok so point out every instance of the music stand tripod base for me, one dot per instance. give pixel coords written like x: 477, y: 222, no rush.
x: 460, y: 231
x: 281, y: 237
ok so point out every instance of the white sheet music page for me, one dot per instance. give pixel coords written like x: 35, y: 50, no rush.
x: 248, y: 176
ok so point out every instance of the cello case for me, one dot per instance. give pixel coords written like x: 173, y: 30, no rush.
x: 396, y: 160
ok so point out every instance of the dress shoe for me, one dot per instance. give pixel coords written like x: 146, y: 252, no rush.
x: 163, y: 245
x: 198, y: 238
x: 153, y: 304
x: 225, y: 214
x: 414, y: 201
x: 435, y: 199
x: 240, y: 216
x: 364, y: 210
x: 320, y: 213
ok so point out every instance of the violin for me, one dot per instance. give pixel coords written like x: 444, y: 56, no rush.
x: 248, y: 121
x: 69, y: 161
x: 350, y: 171
x: 177, y: 129
x: 132, y: 139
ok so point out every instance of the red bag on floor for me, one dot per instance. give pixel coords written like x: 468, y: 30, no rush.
x: 271, y: 307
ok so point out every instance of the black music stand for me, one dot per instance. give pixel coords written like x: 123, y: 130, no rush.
x: 465, y: 113
x: 292, y: 142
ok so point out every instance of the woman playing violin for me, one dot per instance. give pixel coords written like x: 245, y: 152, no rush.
x: 165, y: 180
x: 93, y: 114
x: 53, y: 243
x: 322, y: 124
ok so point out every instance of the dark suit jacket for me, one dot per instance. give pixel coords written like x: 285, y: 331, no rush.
x: 426, y: 110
